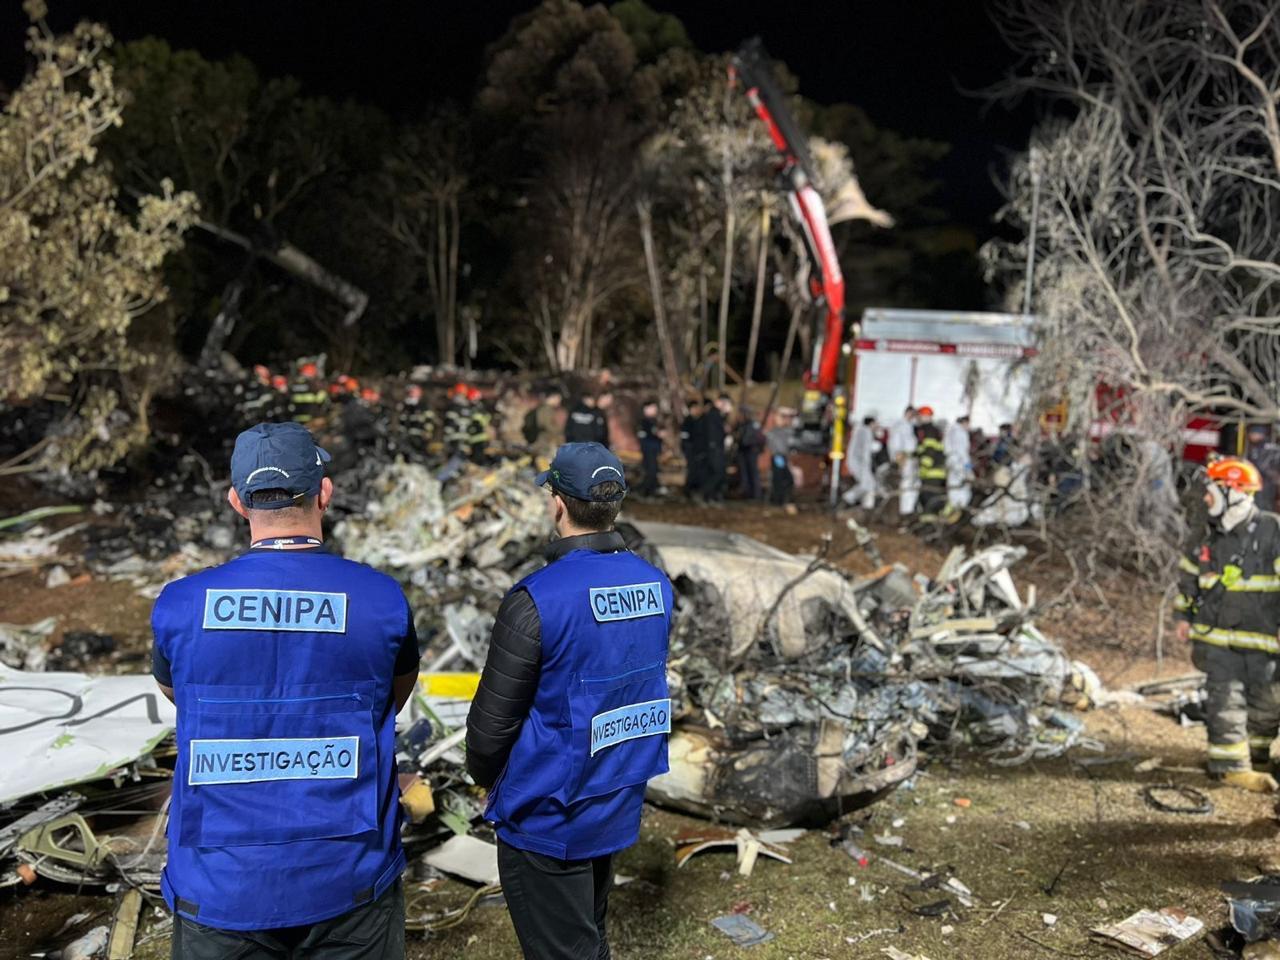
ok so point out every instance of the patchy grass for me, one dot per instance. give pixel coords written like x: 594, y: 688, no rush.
x: 1082, y: 833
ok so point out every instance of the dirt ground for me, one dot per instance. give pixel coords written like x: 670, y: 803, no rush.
x: 1071, y: 838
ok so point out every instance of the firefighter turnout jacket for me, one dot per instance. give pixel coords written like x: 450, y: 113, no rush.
x: 931, y: 455
x: 1230, y: 585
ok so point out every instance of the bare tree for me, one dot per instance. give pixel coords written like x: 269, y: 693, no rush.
x: 581, y: 253
x: 428, y: 176
x: 1157, y: 269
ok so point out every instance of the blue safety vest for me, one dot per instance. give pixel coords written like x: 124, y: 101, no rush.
x: 285, y: 800
x: 574, y: 784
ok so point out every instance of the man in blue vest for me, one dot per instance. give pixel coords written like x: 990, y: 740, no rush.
x: 288, y: 665
x: 572, y: 714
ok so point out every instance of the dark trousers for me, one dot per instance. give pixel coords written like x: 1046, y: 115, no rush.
x: 374, y: 931
x: 933, y: 496
x: 558, y: 907
x: 717, y: 477
x: 781, y: 483
x: 749, y: 467
x: 695, y: 483
x: 649, y: 485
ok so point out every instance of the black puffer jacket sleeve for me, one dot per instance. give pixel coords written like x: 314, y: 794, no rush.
x: 507, y: 687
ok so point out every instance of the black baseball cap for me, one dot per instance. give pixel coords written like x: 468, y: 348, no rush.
x: 578, y: 467
x: 277, y: 456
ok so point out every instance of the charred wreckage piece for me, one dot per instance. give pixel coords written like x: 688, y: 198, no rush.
x: 801, y: 693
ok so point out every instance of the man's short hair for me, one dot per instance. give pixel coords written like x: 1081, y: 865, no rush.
x: 868, y: 421
x: 300, y: 506
x: 597, y: 515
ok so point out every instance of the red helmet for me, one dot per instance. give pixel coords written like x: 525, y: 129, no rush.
x: 1236, y: 474
x: 473, y: 394
x: 309, y: 369
x: 280, y: 382
x: 458, y: 390
x: 337, y: 389
x: 925, y: 411
x: 371, y: 395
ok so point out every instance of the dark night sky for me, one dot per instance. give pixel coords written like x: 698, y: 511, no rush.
x: 904, y: 62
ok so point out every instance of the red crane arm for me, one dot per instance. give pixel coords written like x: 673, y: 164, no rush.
x: 827, y: 282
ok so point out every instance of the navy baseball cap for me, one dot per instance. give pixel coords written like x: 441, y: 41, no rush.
x: 277, y: 456
x: 578, y: 467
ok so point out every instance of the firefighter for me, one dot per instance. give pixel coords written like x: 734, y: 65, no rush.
x: 258, y: 395
x: 307, y: 399
x: 456, y: 420
x: 412, y: 419
x: 1230, y: 607
x: 931, y: 464
x: 278, y: 407
x: 479, y: 428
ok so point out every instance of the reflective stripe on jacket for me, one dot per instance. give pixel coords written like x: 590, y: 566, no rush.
x: 1229, y: 582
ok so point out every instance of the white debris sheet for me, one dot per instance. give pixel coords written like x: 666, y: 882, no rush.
x: 467, y: 857
x: 59, y: 729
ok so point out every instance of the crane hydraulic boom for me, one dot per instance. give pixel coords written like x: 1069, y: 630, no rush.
x: 750, y: 66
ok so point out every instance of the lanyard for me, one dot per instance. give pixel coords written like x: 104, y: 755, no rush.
x: 283, y: 543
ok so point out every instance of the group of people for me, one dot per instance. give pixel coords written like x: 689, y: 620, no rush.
x: 351, y: 415
x: 288, y: 665
x: 934, y: 463
x: 714, y: 432
x: 713, y: 435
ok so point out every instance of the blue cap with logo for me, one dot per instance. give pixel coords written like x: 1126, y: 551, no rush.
x: 277, y: 456
x: 578, y: 467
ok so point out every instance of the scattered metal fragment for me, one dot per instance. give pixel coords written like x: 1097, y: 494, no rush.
x: 802, y: 693
x: 467, y: 857
x: 88, y: 947
x: 60, y: 729
x: 124, y: 926
x: 743, y: 931
x: 47, y: 812
x: 1254, y: 907
x: 747, y: 846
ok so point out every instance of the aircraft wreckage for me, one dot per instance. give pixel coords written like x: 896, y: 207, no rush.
x: 799, y: 690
